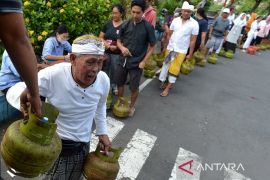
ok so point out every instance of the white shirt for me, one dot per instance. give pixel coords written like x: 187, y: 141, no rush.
x: 180, y: 39
x: 77, y: 106
x: 231, y: 18
x: 254, y: 26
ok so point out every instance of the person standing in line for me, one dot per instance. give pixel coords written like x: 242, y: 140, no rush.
x: 183, y: 35
x: 252, y: 34
x: 203, y: 27
x: 235, y: 32
x: 218, y: 32
x: 15, y: 39
x: 231, y: 16
x: 109, y: 35
x: 80, y: 96
x: 150, y: 14
x: 136, y: 41
x: 264, y: 27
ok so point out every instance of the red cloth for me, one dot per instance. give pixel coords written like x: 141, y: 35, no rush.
x: 150, y: 15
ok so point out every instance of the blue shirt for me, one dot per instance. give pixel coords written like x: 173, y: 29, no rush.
x: 220, y: 26
x: 54, y: 48
x: 8, y: 74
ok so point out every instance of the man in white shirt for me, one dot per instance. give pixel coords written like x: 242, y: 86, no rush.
x: 183, y: 35
x: 231, y: 16
x: 79, y: 91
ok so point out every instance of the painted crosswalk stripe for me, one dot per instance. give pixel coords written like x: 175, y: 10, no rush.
x: 135, y: 154
x: 232, y: 175
x: 114, y: 127
x: 186, y: 166
x: 11, y: 174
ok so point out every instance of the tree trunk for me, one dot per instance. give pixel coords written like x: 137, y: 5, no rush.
x: 256, y: 5
x: 202, y: 4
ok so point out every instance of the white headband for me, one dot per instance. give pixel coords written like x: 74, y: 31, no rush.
x: 88, y: 44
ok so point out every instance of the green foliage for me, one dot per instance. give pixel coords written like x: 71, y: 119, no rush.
x: 215, y: 7
x: 80, y: 16
x: 171, y: 5
x: 247, y: 5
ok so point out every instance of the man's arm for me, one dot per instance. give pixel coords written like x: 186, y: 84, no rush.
x: 148, y: 54
x: 191, y: 46
x: 210, y: 31
x: 101, y: 121
x: 16, y: 42
x: 203, y: 37
x: 168, y: 36
x: 123, y: 49
x: 225, y: 35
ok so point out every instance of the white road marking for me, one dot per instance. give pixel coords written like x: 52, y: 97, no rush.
x: 135, y: 154
x: 11, y: 174
x: 114, y: 127
x: 186, y: 166
x: 232, y: 175
x: 147, y: 81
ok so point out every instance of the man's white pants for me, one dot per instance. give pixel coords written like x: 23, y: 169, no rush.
x: 164, y: 74
x: 248, y: 40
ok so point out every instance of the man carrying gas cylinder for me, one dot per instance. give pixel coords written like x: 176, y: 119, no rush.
x: 79, y: 91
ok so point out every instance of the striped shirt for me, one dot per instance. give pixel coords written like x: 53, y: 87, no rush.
x: 8, y: 6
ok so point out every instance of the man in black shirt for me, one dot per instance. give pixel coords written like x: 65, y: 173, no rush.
x: 136, y: 41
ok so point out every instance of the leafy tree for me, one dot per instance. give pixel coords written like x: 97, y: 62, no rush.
x: 80, y: 16
x: 260, y: 6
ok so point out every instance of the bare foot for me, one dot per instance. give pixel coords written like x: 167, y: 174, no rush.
x: 165, y: 93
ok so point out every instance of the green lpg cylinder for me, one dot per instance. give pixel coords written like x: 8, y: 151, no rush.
x: 149, y: 73
x: 229, y: 54
x: 212, y: 59
x: 30, y: 147
x: 186, y: 67
x: 98, y: 166
x: 121, y: 107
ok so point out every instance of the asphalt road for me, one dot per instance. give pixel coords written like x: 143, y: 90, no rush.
x: 219, y: 112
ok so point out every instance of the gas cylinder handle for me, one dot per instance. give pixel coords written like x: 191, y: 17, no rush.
x: 113, y: 159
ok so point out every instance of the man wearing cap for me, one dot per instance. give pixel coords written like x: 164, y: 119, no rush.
x: 183, y: 35
x: 218, y: 32
x: 136, y: 41
x: 80, y: 96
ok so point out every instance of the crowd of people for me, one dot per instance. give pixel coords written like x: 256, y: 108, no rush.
x: 77, y: 78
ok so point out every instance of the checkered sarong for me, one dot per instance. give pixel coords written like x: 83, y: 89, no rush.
x: 68, y: 167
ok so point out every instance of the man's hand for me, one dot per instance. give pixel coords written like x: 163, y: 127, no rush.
x: 27, y: 100
x: 202, y: 45
x: 142, y: 64
x: 125, y: 51
x: 104, y: 143
x: 188, y: 57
